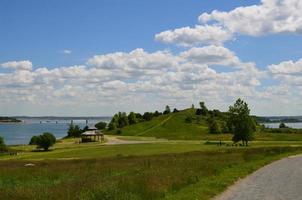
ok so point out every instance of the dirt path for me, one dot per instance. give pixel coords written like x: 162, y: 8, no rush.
x: 280, y: 180
x: 158, y: 125
x: 114, y: 140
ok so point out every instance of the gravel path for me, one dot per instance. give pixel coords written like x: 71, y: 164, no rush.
x: 280, y: 180
x: 114, y: 140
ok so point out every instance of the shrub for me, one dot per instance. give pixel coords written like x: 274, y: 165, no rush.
x: 33, y: 140
x: 175, y: 110
x: 282, y: 125
x: 112, y: 126
x: 119, y: 131
x: 100, y: 125
x: 3, y: 147
x: 188, y: 119
x: 45, y: 141
x: 213, y: 126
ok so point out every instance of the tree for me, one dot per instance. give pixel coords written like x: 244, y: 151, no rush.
x: 204, y: 109
x: 114, y: 122
x: 282, y: 125
x: 74, y: 131
x: 3, y: 147
x: 100, y: 125
x: 33, y: 140
x: 132, y: 118
x: 122, y: 119
x: 167, y: 110
x: 175, y: 110
x: 45, y: 141
x: 147, y: 116
x: 213, y: 126
x: 111, y: 126
x: 242, y: 124
x: 156, y: 113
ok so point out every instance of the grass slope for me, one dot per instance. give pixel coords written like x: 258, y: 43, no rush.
x: 173, y: 126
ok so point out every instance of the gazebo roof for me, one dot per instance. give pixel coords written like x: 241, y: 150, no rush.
x: 92, y: 133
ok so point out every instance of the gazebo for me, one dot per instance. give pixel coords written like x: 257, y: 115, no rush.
x: 92, y: 135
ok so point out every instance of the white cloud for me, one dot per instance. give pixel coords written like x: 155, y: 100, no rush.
x: 66, y: 51
x: 217, y: 27
x: 270, y: 17
x: 287, y: 67
x: 218, y: 55
x: 199, y: 35
x: 123, y: 77
x: 18, y: 65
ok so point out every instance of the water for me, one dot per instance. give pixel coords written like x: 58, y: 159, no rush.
x: 20, y: 133
x: 276, y: 125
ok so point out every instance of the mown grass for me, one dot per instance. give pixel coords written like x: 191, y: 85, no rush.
x: 190, y: 175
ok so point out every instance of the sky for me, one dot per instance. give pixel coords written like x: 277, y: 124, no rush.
x: 98, y: 57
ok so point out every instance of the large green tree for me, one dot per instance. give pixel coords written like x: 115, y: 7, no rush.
x: 101, y: 125
x: 132, y: 118
x: 45, y: 141
x: 241, y: 123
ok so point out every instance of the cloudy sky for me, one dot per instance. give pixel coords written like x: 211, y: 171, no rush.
x: 96, y: 57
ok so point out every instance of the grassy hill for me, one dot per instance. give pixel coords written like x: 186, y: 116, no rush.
x: 173, y: 126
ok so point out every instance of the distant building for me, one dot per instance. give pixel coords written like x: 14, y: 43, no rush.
x: 92, y: 135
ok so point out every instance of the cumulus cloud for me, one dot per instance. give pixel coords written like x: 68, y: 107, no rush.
x: 216, y: 27
x: 287, y: 67
x: 18, y: 65
x: 271, y: 16
x: 123, y: 77
x: 212, y: 55
x: 198, y: 35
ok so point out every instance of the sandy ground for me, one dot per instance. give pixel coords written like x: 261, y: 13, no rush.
x: 280, y: 180
x: 115, y: 140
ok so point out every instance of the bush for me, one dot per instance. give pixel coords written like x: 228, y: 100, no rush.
x: 147, y: 116
x: 33, y: 140
x: 112, y: 126
x: 119, y: 132
x: 213, y: 126
x: 3, y: 147
x: 45, y: 141
x: 282, y: 125
x: 100, y: 125
x: 188, y: 119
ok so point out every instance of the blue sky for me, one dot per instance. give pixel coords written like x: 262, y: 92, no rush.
x: 39, y: 30
x: 85, y: 34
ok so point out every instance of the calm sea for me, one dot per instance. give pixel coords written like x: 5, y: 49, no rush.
x: 291, y: 125
x: 21, y: 133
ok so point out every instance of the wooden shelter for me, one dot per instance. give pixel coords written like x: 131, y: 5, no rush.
x: 92, y: 135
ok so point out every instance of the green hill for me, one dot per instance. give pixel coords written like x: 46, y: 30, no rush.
x: 173, y: 126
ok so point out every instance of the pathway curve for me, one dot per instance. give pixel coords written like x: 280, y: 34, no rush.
x: 280, y: 180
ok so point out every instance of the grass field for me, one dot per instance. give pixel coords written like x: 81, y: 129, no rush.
x: 200, y: 173
x: 177, y: 160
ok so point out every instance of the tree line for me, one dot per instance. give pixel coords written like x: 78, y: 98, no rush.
x: 122, y: 119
